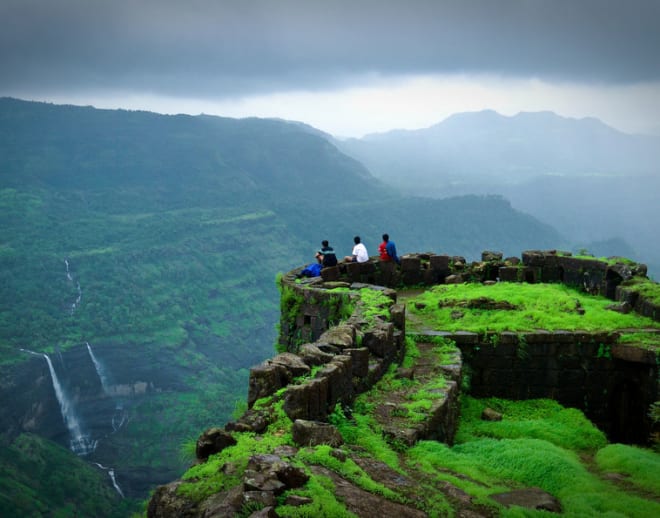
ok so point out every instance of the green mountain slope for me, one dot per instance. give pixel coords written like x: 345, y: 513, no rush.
x: 156, y: 240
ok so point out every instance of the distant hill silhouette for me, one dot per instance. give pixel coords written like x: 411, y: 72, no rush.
x: 586, y: 179
x: 474, y: 145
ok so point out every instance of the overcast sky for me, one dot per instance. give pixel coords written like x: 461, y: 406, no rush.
x: 348, y: 67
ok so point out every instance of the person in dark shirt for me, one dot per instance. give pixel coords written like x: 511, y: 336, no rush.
x: 327, y: 254
x: 387, y: 250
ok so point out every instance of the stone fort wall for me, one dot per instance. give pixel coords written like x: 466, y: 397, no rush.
x: 613, y: 383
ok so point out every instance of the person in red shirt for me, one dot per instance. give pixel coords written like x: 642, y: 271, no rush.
x: 387, y: 250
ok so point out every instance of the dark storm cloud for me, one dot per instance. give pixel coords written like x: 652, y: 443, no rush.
x: 220, y: 48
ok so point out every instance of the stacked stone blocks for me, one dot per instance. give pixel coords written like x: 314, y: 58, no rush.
x: 566, y: 366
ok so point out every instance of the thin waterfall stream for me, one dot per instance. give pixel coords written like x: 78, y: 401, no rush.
x: 111, y: 474
x: 79, y: 442
x: 119, y: 418
x: 70, y: 278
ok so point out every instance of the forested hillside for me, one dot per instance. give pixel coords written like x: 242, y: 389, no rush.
x: 153, y: 243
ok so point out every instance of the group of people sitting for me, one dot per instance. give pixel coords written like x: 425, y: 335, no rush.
x: 326, y: 257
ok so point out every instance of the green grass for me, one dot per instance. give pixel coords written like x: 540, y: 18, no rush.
x: 375, y: 305
x: 534, y: 418
x: 540, y: 444
x: 648, y: 340
x: 364, y: 432
x: 640, y: 466
x: 610, y: 261
x: 538, y: 306
x: 324, y: 502
x: 203, y: 480
x: 645, y: 287
x: 347, y: 469
x: 412, y: 353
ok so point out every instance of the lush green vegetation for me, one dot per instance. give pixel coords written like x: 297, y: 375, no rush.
x: 540, y: 444
x: 648, y: 340
x: 537, y: 444
x: 173, y: 228
x: 638, y: 465
x: 40, y: 478
x: 524, y: 307
x: 374, y: 305
x: 645, y: 287
x: 542, y: 419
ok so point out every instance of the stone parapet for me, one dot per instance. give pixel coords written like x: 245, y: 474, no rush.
x: 588, y: 274
x: 320, y: 327
x: 351, y: 353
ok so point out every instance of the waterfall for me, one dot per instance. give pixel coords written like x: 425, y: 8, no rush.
x: 111, y: 473
x: 99, y: 370
x: 78, y: 298
x: 80, y: 443
x: 120, y: 416
x: 75, y: 304
x: 68, y: 274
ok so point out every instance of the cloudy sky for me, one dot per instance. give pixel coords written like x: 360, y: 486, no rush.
x: 348, y: 67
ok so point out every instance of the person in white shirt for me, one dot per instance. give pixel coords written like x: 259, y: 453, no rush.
x: 360, y: 254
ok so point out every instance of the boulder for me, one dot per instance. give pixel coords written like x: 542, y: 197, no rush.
x: 439, y: 263
x: 251, y: 421
x: 315, y: 433
x: 533, y: 258
x: 359, y: 360
x: 307, y: 401
x: 224, y: 503
x: 266, y: 379
x: 454, y: 279
x: 405, y: 373
x: 622, y: 307
x: 624, y: 271
x: 487, y: 256
x: 330, y: 273
x: 530, y: 498
x: 264, y: 498
x: 167, y: 502
x: 490, y: 304
x: 293, y: 363
x: 262, y: 481
x: 213, y: 440
x: 379, y: 339
x: 490, y: 415
x: 398, y: 314
x: 458, y: 262
x: 297, y: 500
x: 340, y: 336
x: 313, y: 355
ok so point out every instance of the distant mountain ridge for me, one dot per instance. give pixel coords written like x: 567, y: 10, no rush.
x: 487, y: 144
x: 83, y: 147
x: 590, y: 181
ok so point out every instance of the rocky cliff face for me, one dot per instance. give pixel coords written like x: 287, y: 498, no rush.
x: 301, y: 401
